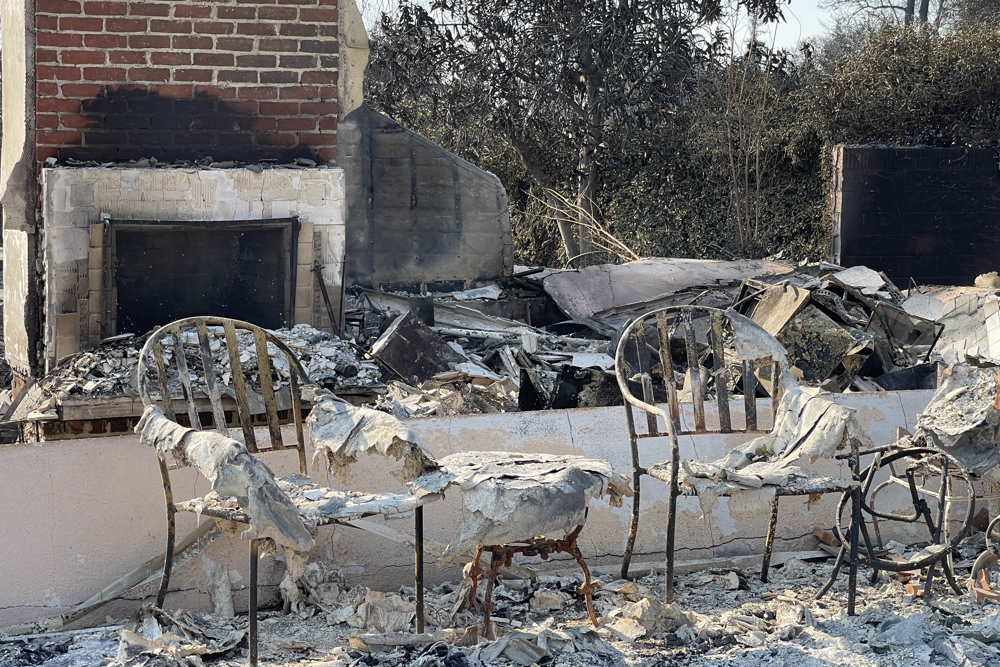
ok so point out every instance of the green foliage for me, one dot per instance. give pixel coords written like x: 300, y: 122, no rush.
x: 912, y: 86
x: 666, y: 169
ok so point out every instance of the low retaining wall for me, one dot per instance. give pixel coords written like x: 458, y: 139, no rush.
x: 78, y: 514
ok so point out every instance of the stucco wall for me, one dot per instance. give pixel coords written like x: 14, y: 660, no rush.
x: 18, y: 188
x: 81, y: 513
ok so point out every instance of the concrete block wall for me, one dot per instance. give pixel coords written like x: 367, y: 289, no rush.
x: 231, y: 79
x: 420, y: 217
x: 932, y: 214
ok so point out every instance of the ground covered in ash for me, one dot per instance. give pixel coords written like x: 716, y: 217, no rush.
x: 721, y: 617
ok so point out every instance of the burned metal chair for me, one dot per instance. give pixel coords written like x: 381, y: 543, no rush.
x: 934, y: 471
x: 254, y: 381
x: 724, y: 352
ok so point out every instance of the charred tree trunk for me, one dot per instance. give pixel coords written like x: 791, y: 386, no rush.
x: 587, y: 192
x: 911, y: 6
x: 924, y: 8
x: 556, y: 208
x: 565, y: 224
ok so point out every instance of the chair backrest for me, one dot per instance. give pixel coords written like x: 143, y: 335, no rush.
x: 229, y: 354
x: 693, y: 335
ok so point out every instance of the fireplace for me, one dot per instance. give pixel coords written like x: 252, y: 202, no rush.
x: 162, y: 271
x: 127, y: 249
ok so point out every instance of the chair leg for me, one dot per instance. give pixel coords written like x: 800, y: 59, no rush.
x: 587, y: 588
x: 769, y: 542
x: 852, y: 580
x: 496, y: 560
x: 668, y: 584
x: 633, y: 527
x: 475, y: 574
x: 949, y: 573
x: 252, y: 639
x: 168, y: 554
x: 837, y: 564
x: 418, y: 565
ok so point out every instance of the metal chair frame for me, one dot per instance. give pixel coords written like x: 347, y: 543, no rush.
x: 668, y: 321
x: 923, y: 465
x: 153, y: 349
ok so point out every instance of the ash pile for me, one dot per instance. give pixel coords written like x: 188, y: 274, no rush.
x: 722, y: 615
x: 109, y: 371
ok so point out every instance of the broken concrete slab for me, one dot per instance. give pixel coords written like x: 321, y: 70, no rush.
x: 581, y: 294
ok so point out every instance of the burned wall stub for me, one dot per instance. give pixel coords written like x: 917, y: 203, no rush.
x: 418, y: 217
x: 931, y: 214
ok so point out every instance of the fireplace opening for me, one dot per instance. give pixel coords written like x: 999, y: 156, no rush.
x: 163, y: 271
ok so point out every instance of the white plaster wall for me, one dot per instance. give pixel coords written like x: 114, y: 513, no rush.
x: 74, y: 199
x: 78, y: 514
x: 18, y: 188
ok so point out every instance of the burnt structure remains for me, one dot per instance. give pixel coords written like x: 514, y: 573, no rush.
x: 167, y: 159
x: 930, y: 214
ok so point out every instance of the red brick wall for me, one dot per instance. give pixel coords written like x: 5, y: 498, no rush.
x: 235, y: 80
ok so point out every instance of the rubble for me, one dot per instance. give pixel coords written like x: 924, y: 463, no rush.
x: 412, y: 351
x: 962, y: 417
x: 109, y: 370
x: 711, y: 623
x: 843, y: 329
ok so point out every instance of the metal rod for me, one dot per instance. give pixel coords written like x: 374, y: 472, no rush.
x: 326, y: 299
x: 672, y: 493
x: 252, y: 638
x: 769, y: 542
x: 835, y: 573
x: 750, y: 395
x: 633, y: 527
x: 719, y: 371
x: 168, y: 554
x: 694, y: 374
x: 852, y: 583
x: 667, y: 367
x: 418, y: 565
x: 942, y: 505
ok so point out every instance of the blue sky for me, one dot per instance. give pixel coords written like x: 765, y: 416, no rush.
x: 802, y: 22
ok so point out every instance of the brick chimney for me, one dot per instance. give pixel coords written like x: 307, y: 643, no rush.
x: 115, y: 81
x: 238, y: 80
